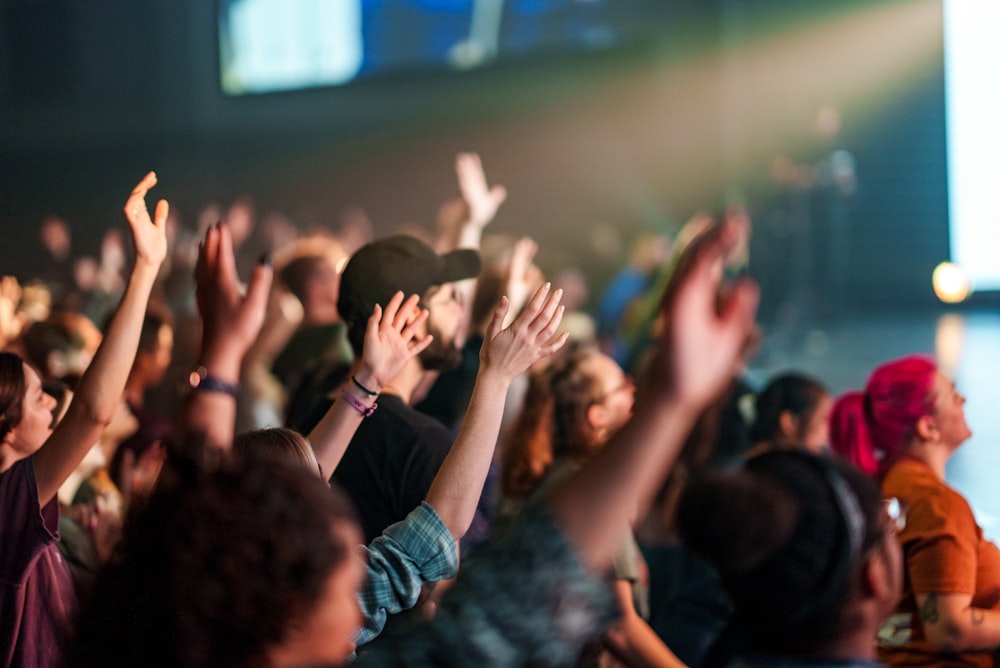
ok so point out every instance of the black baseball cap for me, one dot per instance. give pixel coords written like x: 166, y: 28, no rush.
x: 383, y: 267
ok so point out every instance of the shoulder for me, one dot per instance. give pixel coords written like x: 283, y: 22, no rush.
x: 931, y: 503
x: 398, y: 417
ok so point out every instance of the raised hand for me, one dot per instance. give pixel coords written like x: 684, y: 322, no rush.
x: 231, y: 319
x: 148, y: 234
x: 391, y: 340
x: 520, y: 275
x: 510, y: 352
x: 482, y: 200
x: 11, y: 319
x: 706, y: 322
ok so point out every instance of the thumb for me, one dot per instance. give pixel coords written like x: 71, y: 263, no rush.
x: 160, y: 215
x: 260, y: 285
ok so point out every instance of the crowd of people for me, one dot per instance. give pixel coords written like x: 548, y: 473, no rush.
x: 415, y: 450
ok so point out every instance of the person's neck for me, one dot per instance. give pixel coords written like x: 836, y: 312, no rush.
x: 8, y: 457
x: 933, y: 455
x: 406, y: 381
x: 318, y: 316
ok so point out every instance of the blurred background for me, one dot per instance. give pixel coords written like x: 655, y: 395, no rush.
x: 859, y: 134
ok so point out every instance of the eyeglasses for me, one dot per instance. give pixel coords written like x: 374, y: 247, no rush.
x: 895, y: 510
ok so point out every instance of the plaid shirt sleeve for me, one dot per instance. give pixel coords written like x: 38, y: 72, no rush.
x: 409, y: 553
x: 525, y: 600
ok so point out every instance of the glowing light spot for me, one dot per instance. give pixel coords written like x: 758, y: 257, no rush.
x: 951, y: 285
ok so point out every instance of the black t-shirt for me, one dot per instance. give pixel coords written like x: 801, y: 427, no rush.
x: 449, y: 396
x: 390, y: 464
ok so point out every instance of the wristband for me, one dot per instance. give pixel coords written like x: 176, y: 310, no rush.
x: 363, y: 388
x: 357, y: 404
x: 201, y: 381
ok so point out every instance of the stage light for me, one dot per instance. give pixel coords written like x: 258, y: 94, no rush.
x: 951, y: 285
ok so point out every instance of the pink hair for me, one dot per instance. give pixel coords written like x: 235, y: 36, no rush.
x: 872, y: 428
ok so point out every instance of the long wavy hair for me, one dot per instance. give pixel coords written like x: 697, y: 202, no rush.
x: 553, y: 423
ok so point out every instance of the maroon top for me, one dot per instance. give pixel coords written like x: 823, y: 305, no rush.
x: 36, y: 598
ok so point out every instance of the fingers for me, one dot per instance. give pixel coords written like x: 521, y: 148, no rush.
x: 469, y: 169
x: 136, y: 203
x: 700, y: 265
x: 259, y: 288
x: 496, y: 323
x: 408, y: 312
x: 524, y: 252
x: 552, y: 324
x: 374, y: 320
x: 226, y: 258
x: 498, y: 194
x: 208, y: 258
x: 141, y: 188
x: 419, y: 345
x: 392, y: 308
x: 555, y: 346
x: 739, y: 310
x: 533, y: 307
x: 548, y: 313
x: 410, y: 331
x: 160, y: 216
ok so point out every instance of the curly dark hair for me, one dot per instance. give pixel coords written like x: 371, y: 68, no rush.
x: 221, y: 561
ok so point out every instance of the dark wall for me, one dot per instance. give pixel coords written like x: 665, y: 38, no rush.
x: 94, y: 94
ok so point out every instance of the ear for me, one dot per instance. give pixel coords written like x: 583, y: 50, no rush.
x: 788, y: 425
x: 926, y: 428
x: 596, y: 417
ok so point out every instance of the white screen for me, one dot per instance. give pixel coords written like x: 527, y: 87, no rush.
x: 972, y: 85
x: 277, y: 45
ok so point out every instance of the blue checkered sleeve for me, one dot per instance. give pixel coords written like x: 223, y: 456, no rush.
x: 409, y: 553
x: 526, y: 600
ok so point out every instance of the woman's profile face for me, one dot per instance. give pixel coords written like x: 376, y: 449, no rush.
x: 814, y: 432
x: 949, y: 412
x: 617, y: 392
x: 35, y: 426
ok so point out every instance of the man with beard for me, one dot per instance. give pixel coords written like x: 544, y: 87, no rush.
x: 395, y: 454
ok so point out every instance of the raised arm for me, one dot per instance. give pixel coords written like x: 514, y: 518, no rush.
x: 481, y: 204
x: 506, y: 354
x: 100, y: 390
x: 481, y: 199
x: 705, y: 327
x: 391, y: 340
x: 522, y: 275
x: 231, y: 321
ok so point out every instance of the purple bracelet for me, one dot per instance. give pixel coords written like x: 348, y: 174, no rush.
x: 356, y: 403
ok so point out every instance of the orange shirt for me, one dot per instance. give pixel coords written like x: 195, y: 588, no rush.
x: 944, y: 552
